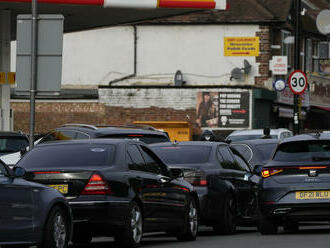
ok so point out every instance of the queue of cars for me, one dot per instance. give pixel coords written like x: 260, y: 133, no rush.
x: 126, y: 181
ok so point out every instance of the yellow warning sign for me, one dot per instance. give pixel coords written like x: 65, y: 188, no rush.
x: 241, y: 46
x: 7, y: 78
x: 2, y: 77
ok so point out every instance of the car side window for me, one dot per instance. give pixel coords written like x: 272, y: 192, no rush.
x: 241, y: 163
x: 151, y: 164
x: 244, y: 150
x: 137, y: 161
x: 81, y: 135
x: 59, y: 135
x: 226, y: 158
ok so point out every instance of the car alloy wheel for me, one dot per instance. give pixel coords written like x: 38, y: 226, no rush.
x: 193, y: 219
x: 191, y: 223
x: 136, y: 224
x: 59, y: 230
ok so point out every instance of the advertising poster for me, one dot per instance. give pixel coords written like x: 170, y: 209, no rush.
x: 223, y: 109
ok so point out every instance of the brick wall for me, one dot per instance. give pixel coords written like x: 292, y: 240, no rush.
x: 264, y: 56
x: 50, y: 115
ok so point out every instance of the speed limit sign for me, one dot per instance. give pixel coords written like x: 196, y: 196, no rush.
x: 297, y: 82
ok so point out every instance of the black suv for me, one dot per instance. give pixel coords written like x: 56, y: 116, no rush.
x: 11, y: 142
x: 146, y: 134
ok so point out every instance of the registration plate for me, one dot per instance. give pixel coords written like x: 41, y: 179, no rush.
x: 63, y: 188
x: 310, y: 195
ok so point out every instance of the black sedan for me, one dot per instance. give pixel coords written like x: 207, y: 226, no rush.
x: 225, y: 184
x: 295, y: 184
x: 31, y: 213
x: 116, y: 188
x: 256, y: 152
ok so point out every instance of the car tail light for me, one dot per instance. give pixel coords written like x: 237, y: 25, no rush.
x: 96, y: 186
x: 46, y: 172
x: 312, y: 167
x: 267, y: 172
x: 196, y: 178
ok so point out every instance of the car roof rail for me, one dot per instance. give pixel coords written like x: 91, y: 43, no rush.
x: 132, y: 126
x: 80, y: 125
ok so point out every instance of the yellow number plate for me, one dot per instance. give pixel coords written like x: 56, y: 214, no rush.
x: 309, y: 195
x: 63, y: 188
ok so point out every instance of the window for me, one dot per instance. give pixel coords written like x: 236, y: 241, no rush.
x: 82, y: 136
x: 244, y: 150
x: 226, y: 159
x: 188, y: 154
x: 151, y: 165
x: 59, y: 135
x: 241, y: 163
x: 287, y: 47
x: 137, y: 161
x: 9, y: 144
x: 68, y: 155
x: 311, y: 150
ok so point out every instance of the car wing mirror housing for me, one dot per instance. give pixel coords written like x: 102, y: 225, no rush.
x: 176, y: 173
x: 19, y: 172
x: 23, y: 151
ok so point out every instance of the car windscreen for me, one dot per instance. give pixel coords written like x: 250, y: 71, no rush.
x: 183, y: 154
x: 68, y: 156
x: 10, y: 144
x: 146, y: 138
x: 234, y: 138
x: 309, y: 150
x: 265, y: 151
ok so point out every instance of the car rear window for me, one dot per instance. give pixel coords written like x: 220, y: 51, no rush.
x: 311, y: 150
x: 247, y: 137
x: 10, y: 144
x: 265, y: 151
x: 183, y: 154
x: 68, y: 156
x: 146, y: 138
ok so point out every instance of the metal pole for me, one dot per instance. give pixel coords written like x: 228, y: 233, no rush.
x: 34, y: 47
x: 296, y: 63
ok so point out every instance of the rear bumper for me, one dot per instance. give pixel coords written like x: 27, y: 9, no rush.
x: 100, y: 215
x: 299, y: 212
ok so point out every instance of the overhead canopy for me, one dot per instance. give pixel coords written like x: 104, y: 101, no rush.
x: 80, y: 17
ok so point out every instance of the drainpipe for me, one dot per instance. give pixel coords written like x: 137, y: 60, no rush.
x: 135, y: 63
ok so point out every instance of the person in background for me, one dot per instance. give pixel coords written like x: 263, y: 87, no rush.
x: 208, y: 135
x: 267, y: 133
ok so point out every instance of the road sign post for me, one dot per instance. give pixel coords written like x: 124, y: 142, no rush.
x: 297, y: 5
x: 298, y: 84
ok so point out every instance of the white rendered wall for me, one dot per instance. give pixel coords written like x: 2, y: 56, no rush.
x: 193, y: 49
x: 99, y: 56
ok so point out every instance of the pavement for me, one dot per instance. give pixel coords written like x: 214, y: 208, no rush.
x: 246, y: 237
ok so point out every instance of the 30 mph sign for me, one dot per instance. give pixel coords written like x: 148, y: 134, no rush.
x: 297, y: 82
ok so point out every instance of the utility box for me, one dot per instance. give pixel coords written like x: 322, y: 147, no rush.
x: 49, y: 54
x: 177, y: 130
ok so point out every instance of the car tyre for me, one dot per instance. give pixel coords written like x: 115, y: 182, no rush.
x: 132, y: 233
x: 267, y: 225
x: 56, y: 231
x: 191, y: 223
x: 227, y: 224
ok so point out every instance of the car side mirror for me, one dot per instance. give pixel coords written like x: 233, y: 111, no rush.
x: 19, y: 172
x: 257, y: 169
x: 23, y: 151
x: 176, y: 173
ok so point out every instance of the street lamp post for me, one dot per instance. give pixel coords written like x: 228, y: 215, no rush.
x: 34, y: 47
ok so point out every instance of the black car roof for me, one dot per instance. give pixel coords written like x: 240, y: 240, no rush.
x: 102, y: 131
x: 307, y: 137
x: 12, y: 134
x: 88, y: 141
x: 188, y: 143
x: 257, y: 141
